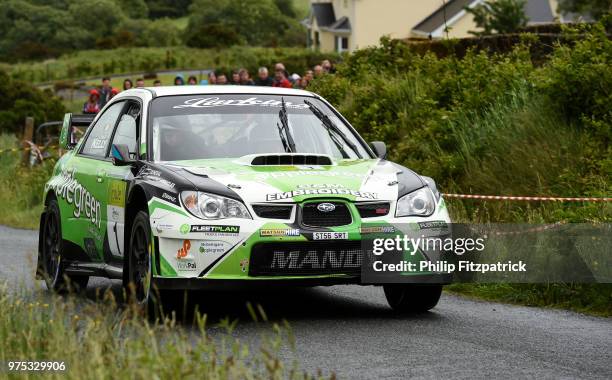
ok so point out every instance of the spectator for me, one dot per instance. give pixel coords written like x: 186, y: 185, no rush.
x: 306, y: 79
x: 212, y: 78
x: 192, y: 80
x: 318, y: 71
x: 140, y: 83
x: 309, y: 76
x: 105, y: 92
x: 114, y: 92
x: 280, y: 79
x: 92, y: 104
x: 296, y: 80
x: 245, y: 78
x: 221, y: 79
x: 235, y: 78
x: 281, y: 66
x: 263, y: 77
x: 179, y: 80
x: 157, y: 83
x: 327, y: 67
x: 127, y: 84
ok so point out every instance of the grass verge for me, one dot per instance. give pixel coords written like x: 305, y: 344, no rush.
x: 99, y: 340
x: 593, y: 299
x: 21, y: 188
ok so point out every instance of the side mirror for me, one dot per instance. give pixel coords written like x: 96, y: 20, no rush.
x: 66, y: 139
x: 379, y: 148
x: 121, y: 155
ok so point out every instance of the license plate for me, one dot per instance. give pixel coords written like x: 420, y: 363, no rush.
x: 330, y: 235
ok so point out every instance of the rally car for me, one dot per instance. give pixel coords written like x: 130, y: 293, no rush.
x: 212, y: 186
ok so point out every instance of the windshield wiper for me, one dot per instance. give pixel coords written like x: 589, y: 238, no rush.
x: 331, y: 127
x: 283, y: 129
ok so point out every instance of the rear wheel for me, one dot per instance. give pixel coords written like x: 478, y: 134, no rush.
x: 406, y: 298
x: 51, y: 256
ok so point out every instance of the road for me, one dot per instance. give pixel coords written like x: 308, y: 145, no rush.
x: 350, y: 331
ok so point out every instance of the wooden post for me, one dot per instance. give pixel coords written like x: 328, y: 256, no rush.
x: 28, y: 135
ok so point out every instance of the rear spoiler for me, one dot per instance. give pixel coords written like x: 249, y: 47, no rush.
x: 73, y: 129
x: 81, y: 120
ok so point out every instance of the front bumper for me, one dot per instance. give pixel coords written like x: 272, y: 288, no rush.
x: 260, y: 250
x: 165, y: 283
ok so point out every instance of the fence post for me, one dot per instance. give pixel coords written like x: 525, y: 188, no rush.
x: 28, y: 135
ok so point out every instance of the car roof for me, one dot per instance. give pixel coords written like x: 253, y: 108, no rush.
x: 207, y: 89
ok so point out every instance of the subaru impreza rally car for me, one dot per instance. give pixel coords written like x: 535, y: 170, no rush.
x: 196, y: 187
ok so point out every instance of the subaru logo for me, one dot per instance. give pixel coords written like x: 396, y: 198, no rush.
x: 326, y: 207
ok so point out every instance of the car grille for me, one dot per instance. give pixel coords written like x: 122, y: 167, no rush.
x: 313, y: 217
x: 273, y: 212
x: 372, y: 210
x: 300, y: 258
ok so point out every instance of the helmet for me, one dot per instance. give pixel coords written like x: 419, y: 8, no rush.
x: 114, y: 91
x: 93, y: 91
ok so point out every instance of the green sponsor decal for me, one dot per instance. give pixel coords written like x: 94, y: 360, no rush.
x: 185, y: 229
x: 67, y: 187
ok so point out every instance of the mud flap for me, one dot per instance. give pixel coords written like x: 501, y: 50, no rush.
x: 39, y: 270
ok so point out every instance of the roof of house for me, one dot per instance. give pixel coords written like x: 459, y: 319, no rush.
x: 324, y: 14
x: 343, y: 24
x: 441, y: 15
x: 538, y: 11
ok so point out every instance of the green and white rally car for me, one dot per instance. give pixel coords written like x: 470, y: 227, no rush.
x: 199, y: 187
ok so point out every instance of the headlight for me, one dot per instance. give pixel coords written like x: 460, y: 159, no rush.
x: 417, y: 203
x: 210, y: 206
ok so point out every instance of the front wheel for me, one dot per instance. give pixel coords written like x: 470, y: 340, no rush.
x: 406, y: 298
x: 139, y: 260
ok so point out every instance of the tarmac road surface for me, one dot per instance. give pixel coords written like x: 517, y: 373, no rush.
x: 349, y: 330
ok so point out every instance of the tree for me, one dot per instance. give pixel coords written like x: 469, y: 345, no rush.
x: 499, y: 16
x: 134, y: 8
x: 286, y: 7
x: 595, y: 8
x: 20, y: 99
x: 243, y: 22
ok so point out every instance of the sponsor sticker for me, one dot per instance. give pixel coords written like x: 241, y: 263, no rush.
x: 213, y: 247
x: 376, y: 230
x: 168, y: 197
x: 116, y: 193
x: 184, y: 250
x: 186, y: 265
x: 333, y: 191
x: 433, y: 224
x: 279, y: 232
x: 330, y: 235
x: 184, y: 229
x: 217, y: 229
x: 254, y: 101
x: 74, y: 193
x: 244, y: 265
x: 322, y: 259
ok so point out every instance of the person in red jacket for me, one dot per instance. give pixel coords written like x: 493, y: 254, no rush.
x: 92, y: 106
x: 280, y: 79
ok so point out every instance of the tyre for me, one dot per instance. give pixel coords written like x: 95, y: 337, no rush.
x: 139, y: 275
x: 51, y: 255
x: 407, y: 298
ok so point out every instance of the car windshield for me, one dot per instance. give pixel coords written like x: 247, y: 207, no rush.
x: 228, y: 126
